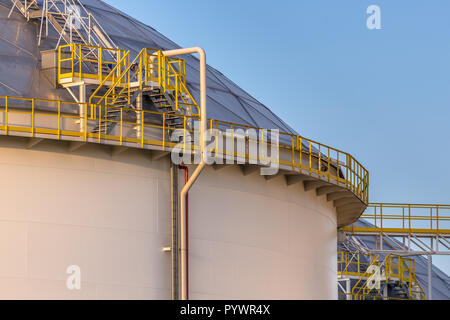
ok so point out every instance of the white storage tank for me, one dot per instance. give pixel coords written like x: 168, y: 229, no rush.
x: 84, y: 218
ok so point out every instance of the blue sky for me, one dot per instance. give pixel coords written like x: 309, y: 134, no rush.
x: 381, y: 95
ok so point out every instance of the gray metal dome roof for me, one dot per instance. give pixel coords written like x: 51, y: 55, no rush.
x: 20, y: 75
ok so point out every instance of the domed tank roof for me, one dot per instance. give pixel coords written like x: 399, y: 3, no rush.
x: 20, y: 69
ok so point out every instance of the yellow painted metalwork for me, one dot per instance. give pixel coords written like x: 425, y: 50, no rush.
x: 355, y: 180
x: 122, y: 77
x: 112, y: 80
x: 6, y: 115
x: 350, y: 264
x: 76, y: 61
x: 393, y: 268
x: 405, y: 219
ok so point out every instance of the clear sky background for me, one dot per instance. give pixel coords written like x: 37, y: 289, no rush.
x: 381, y: 95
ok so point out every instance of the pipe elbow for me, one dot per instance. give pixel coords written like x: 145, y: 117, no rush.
x: 201, y: 52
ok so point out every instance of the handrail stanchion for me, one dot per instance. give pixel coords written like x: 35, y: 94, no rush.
x: 6, y: 115
x: 59, y: 120
x: 32, y: 117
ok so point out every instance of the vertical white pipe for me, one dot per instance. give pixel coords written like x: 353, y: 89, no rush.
x: 198, y: 170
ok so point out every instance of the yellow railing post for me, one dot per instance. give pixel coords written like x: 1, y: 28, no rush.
x: 347, y: 161
x: 73, y: 60
x: 176, y: 93
x: 6, y: 115
x: 99, y: 121
x: 32, y: 117
x: 437, y: 219
x: 320, y: 162
x: 354, y: 175
x: 142, y: 128
x: 164, y: 132
x: 338, y: 168
x: 293, y: 151
x: 165, y: 75
x: 147, y: 68
x: 328, y: 165
x: 278, y: 149
x: 85, y: 121
x: 80, y: 62
x: 431, y: 217
x: 184, y: 73
x: 119, y: 68
x: 59, y: 64
x: 159, y: 69
x: 381, y: 216
x: 403, y: 217
x: 409, y: 217
x: 310, y: 158
x: 59, y: 120
x: 300, y: 150
x: 121, y: 126
x: 140, y: 71
x: 128, y: 84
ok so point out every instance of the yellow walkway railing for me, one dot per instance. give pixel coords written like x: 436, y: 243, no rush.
x: 392, y: 268
x: 354, y: 263
x: 405, y: 218
x: 79, y: 61
x: 60, y: 119
x: 114, y: 71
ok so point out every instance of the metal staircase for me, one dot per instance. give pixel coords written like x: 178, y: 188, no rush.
x: 371, y: 284
x: 163, y: 102
x: 27, y: 8
x: 150, y: 76
x: 370, y: 278
x: 73, y: 25
x: 72, y: 22
x: 118, y: 86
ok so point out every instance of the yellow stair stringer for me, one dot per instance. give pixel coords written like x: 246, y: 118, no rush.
x: 407, y: 275
x: 149, y: 68
x: 94, y: 99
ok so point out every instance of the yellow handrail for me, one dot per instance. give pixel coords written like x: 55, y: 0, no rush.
x: 111, y: 77
x: 405, y: 218
x: 396, y: 268
x: 168, y: 77
x: 77, y: 57
x: 304, y: 159
x: 127, y: 78
x: 180, y: 86
x: 350, y: 263
x: 318, y: 159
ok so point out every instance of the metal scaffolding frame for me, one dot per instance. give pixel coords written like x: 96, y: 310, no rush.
x: 404, y: 230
